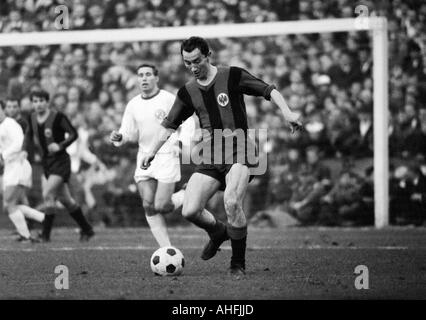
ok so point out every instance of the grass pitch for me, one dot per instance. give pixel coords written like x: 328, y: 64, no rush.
x: 293, y: 263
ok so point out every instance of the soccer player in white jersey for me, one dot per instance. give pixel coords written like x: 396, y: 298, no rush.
x: 141, y: 120
x: 17, y: 176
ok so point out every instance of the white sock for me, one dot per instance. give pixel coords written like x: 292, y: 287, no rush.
x: 158, y: 227
x: 18, y: 219
x: 177, y: 198
x: 31, y: 213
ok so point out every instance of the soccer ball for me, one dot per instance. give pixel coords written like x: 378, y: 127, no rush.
x: 167, y: 261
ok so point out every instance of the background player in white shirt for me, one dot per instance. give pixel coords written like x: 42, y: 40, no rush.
x: 141, y: 121
x: 17, y: 175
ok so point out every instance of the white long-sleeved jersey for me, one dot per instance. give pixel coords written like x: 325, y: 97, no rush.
x: 11, y: 139
x: 142, y: 119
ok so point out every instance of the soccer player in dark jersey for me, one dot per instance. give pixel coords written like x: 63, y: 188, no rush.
x: 52, y: 133
x: 216, y: 96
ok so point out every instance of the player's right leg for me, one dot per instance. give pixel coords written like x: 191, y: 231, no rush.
x: 157, y: 224
x: 50, y: 192
x: 11, y: 197
x: 199, y: 190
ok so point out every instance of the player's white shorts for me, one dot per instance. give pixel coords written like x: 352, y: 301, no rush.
x: 17, y: 172
x: 164, y: 168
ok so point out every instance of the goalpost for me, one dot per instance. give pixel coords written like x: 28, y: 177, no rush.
x: 376, y: 25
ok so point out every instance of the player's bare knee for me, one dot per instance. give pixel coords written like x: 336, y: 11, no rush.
x: 148, y: 208
x: 48, y: 197
x: 49, y: 202
x: 10, y: 201
x: 190, y: 212
x: 10, y: 207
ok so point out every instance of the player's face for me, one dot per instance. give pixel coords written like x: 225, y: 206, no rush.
x: 148, y: 82
x: 12, y: 108
x: 196, y: 62
x: 40, y: 105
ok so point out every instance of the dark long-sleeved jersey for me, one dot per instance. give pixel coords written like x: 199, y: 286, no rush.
x: 220, y: 105
x: 56, y: 129
x: 221, y: 110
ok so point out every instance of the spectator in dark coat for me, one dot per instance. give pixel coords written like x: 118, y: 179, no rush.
x: 345, y: 72
x: 342, y: 205
x: 408, y: 195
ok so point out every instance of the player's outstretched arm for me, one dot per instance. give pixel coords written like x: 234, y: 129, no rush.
x: 290, y: 116
x: 162, y: 135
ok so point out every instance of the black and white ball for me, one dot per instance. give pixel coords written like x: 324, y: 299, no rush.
x: 167, y: 261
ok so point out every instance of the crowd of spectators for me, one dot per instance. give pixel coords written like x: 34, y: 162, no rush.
x: 326, y: 77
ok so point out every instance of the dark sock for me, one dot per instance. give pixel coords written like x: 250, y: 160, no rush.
x: 217, y: 230
x: 238, y: 244
x: 212, y: 229
x: 238, y: 252
x: 81, y: 220
x: 47, y: 225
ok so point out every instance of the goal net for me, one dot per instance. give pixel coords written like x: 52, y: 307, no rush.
x: 376, y: 27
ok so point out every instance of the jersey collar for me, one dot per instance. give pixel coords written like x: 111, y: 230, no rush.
x: 156, y: 94
x: 211, y: 83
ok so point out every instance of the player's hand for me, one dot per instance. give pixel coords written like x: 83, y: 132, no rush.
x: 53, y: 148
x: 146, y: 160
x: 115, y: 136
x: 295, y: 123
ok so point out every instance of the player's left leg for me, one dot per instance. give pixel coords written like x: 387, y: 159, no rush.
x: 237, y: 181
x: 11, y: 196
x: 29, y: 213
x: 163, y: 204
x: 74, y: 210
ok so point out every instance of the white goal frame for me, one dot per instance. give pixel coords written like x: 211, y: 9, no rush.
x: 377, y: 26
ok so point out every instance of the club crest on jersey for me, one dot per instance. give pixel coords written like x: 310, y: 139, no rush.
x: 160, y: 114
x: 223, y: 99
x: 48, y: 133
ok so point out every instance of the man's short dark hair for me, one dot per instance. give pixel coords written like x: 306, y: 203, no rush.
x: 13, y: 99
x: 39, y: 94
x: 148, y: 65
x: 2, y: 105
x: 193, y: 43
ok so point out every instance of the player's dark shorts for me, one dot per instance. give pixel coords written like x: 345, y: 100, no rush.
x: 232, y: 153
x: 59, y: 165
x: 217, y: 171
